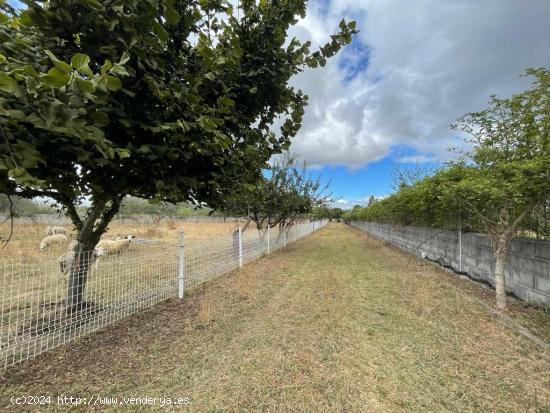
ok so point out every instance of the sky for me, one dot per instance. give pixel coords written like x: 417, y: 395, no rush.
x: 389, y: 98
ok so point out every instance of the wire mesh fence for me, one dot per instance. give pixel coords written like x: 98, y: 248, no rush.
x: 37, y: 303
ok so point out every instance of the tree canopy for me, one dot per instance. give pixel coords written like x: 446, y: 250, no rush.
x: 502, y: 179
x: 160, y: 99
x: 285, y: 194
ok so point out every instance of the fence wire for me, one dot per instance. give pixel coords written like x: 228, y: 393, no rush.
x: 34, y: 298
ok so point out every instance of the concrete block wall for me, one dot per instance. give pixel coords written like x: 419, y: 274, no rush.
x: 528, y: 274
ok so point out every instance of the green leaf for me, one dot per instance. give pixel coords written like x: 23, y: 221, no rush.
x: 124, y: 59
x: 85, y: 86
x: 62, y: 66
x: 253, y: 90
x: 113, y: 83
x: 7, y: 84
x: 16, y: 114
x: 56, y: 78
x: 16, y: 172
x: 172, y: 16
x: 160, y: 31
x: 125, y: 122
x: 220, y: 60
x: 80, y: 61
x: 106, y: 67
x: 123, y: 153
x: 210, y: 76
x: 30, y: 70
x: 119, y: 70
x: 100, y: 118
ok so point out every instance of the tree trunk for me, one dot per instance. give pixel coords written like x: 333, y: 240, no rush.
x: 89, y: 233
x: 501, y: 254
x: 78, y: 272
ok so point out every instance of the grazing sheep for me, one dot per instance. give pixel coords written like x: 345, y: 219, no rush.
x: 100, y: 252
x: 57, y: 239
x: 55, y: 230
x: 72, y: 245
x: 114, y: 247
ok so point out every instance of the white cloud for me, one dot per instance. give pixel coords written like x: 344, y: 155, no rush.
x: 350, y: 203
x: 429, y: 63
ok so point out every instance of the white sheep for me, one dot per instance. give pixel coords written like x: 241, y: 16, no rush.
x: 57, y: 239
x: 72, y: 245
x: 55, y: 230
x: 114, y: 247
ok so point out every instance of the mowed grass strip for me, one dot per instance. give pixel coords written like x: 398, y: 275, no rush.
x: 337, y: 322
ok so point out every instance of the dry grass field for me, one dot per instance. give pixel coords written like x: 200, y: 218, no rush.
x: 337, y: 322
x: 26, y: 237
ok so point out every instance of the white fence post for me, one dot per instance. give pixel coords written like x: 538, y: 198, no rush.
x: 268, y: 240
x: 459, y: 249
x: 240, y: 248
x: 284, y: 239
x: 181, y: 275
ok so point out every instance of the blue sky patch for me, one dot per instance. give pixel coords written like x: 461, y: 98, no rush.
x: 355, y: 59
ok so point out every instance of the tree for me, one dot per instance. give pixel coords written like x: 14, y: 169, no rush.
x: 402, y: 177
x: 495, y: 186
x: 286, y: 194
x: 336, y: 213
x: 164, y: 99
x: 507, y: 172
x: 324, y: 212
x: 371, y: 200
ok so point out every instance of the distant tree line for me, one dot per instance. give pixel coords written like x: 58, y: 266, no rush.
x: 24, y: 207
x: 326, y: 212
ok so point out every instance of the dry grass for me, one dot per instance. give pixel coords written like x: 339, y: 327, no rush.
x: 27, y: 236
x: 336, y: 323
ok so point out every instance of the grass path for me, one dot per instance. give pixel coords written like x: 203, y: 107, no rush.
x: 338, y: 322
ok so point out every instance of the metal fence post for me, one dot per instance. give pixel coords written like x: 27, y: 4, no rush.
x: 268, y: 240
x: 240, y: 248
x: 181, y: 275
x: 460, y: 249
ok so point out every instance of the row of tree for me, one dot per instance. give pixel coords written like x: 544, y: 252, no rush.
x: 171, y: 100
x: 495, y: 186
x: 23, y: 207
x: 284, y: 194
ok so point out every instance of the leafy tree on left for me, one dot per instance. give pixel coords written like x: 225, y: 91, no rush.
x: 158, y: 99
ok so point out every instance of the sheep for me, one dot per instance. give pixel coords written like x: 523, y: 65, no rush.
x: 114, y: 247
x: 72, y: 245
x: 100, y: 252
x: 55, y: 230
x: 57, y: 239
x: 103, y: 248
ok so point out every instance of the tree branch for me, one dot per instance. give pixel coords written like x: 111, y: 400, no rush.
x: 12, y: 213
x: 107, y: 216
